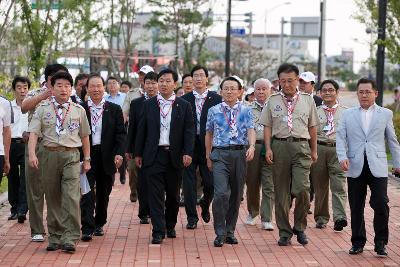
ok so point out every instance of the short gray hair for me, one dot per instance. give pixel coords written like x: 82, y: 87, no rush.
x: 269, y: 84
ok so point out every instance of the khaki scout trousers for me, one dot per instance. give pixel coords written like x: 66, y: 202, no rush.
x: 327, y: 172
x: 60, y: 172
x: 133, y: 179
x: 259, y: 173
x: 34, y: 192
x: 290, y: 171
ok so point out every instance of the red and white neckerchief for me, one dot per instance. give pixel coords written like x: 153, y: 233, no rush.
x: 59, y: 110
x: 199, y: 100
x: 165, y: 106
x: 290, y: 104
x: 96, y: 113
x: 232, y: 117
x: 330, y: 114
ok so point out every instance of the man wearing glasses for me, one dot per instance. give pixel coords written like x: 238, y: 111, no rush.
x: 290, y: 133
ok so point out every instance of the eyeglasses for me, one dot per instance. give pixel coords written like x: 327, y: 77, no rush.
x: 231, y: 89
x: 289, y: 81
x: 367, y: 93
x: 331, y: 91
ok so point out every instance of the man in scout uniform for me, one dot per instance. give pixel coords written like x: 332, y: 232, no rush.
x: 229, y: 141
x: 290, y: 133
x: 258, y: 171
x: 64, y: 128
x: 327, y: 171
x: 34, y: 185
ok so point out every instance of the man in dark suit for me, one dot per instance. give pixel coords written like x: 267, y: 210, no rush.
x: 107, y: 147
x: 163, y: 146
x: 150, y: 89
x: 201, y: 100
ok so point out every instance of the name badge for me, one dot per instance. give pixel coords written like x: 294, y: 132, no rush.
x: 285, y: 118
x: 327, y: 128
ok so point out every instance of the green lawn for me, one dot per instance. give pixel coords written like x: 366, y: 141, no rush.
x: 4, y: 185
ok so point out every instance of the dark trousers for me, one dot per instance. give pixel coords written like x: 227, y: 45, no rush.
x: 103, y: 181
x: 190, y: 184
x: 378, y: 201
x: 163, y: 182
x: 16, y: 179
x: 87, y: 209
x: 142, y: 191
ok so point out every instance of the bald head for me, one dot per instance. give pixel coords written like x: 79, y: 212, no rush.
x: 262, y: 90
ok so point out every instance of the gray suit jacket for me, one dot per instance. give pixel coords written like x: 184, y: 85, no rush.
x: 352, y: 141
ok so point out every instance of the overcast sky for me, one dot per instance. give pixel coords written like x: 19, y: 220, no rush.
x: 342, y: 31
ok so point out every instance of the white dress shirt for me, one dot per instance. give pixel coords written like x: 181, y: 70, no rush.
x: 366, y: 117
x: 165, y: 106
x: 96, y: 127
x: 199, y: 99
x: 20, y: 124
x: 5, y: 120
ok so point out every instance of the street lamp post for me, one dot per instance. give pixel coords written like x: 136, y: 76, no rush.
x: 380, y: 53
x: 228, y: 41
x: 265, y: 21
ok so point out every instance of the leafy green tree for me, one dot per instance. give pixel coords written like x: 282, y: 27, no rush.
x: 368, y: 15
x: 181, y: 22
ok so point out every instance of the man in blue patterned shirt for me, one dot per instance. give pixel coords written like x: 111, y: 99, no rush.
x: 231, y: 136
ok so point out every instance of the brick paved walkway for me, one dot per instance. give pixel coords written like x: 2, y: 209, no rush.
x: 126, y: 243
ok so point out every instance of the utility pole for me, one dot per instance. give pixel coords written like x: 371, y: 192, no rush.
x: 321, y: 45
x: 228, y: 41
x: 250, y: 21
x: 380, y: 53
x: 281, y: 46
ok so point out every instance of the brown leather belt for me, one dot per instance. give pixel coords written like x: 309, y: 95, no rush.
x: 260, y: 142
x: 17, y: 140
x: 322, y: 143
x: 60, y: 148
x: 291, y: 139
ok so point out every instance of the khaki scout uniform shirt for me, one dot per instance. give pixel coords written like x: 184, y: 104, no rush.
x: 76, y: 125
x: 130, y: 95
x: 323, y: 122
x: 304, y: 115
x: 257, y: 108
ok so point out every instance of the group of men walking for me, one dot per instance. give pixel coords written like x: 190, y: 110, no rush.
x: 278, y: 146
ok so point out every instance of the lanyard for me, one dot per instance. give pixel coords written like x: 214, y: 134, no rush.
x: 231, y: 120
x: 59, y: 119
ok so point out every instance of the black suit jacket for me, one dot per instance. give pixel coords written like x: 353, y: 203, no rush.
x: 317, y: 100
x: 181, y: 137
x: 113, y: 135
x: 134, y: 117
x: 212, y: 99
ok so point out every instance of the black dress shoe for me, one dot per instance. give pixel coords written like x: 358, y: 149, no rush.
x: 171, y: 233
x: 231, y: 240
x: 380, y: 249
x: 191, y: 226
x: 219, y: 241
x: 69, y: 248
x: 284, y: 241
x: 99, y: 231
x: 339, y: 225
x: 21, y: 218
x: 157, y: 239
x: 144, y: 220
x: 86, y: 237
x: 53, y: 247
x: 355, y: 250
x: 205, y: 213
x: 13, y: 216
x: 320, y: 225
x: 302, y: 238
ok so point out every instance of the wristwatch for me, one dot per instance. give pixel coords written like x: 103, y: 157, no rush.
x: 86, y: 159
